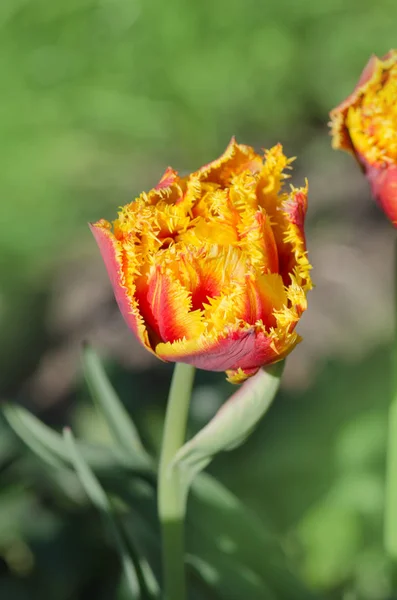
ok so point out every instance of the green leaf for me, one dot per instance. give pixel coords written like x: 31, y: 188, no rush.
x: 117, y: 418
x: 8, y: 445
x: 224, y: 539
x: 135, y: 570
x: 232, y: 423
x: 49, y: 445
x: 223, y: 532
x: 41, y: 440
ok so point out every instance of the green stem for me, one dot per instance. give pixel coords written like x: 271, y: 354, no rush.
x: 171, y: 501
x: 391, y: 457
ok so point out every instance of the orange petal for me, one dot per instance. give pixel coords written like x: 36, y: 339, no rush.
x: 166, y: 306
x: 235, y: 159
x: 264, y: 295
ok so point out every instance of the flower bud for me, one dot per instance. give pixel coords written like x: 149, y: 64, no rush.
x: 365, y: 124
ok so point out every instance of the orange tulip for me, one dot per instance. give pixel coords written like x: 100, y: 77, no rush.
x: 365, y: 124
x: 211, y: 269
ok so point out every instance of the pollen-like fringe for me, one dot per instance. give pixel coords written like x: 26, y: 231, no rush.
x: 243, y: 191
x: 294, y: 209
x: 220, y: 313
x: 273, y: 174
x: 283, y: 335
x: 372, y: 123
x: 137, y: 231
x: 239, y: 375
x: 287, y: 213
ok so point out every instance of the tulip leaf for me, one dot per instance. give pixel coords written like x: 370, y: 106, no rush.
x: 229, y: 548
x: 232, y: 423
x: 40, y: 439
x: 222, y: 521
x: 49, y: 446
x: 135, y: 570
x: 117, y: 418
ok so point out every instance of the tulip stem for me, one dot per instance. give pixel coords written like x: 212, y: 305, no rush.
x: 171, y: 499
x: 390, y: 530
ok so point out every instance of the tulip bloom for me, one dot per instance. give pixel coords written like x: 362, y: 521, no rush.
x: 211, y: 269
x: 365, y: 124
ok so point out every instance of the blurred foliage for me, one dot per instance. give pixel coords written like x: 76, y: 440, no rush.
x: 314, y: 483
x: 227, y: 543
x: 98, y: 97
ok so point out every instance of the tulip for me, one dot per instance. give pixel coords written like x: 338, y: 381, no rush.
x: 365, y: 124
x: 211, y: 269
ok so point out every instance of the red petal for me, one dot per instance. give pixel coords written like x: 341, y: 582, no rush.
x: 169, y: 177
x: 242, y: 349
x: 384, y: 187
x: 111, y: 253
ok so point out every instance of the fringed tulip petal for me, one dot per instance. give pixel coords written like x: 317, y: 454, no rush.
x: 112, y: 254
x: 236, y: 159
x: 211, y: 269
x: 365, y: 124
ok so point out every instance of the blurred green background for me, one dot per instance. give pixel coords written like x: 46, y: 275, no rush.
x: 99, y: 96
